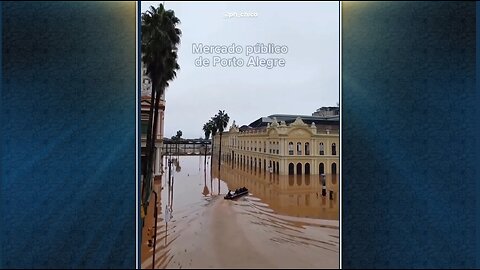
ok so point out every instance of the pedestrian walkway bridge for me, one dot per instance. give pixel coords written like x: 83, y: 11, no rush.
x: 190, y: 147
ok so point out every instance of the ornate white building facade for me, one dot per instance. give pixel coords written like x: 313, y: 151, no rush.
x: 285, y: 149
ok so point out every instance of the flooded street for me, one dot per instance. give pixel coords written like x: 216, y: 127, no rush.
x: 285, y: 221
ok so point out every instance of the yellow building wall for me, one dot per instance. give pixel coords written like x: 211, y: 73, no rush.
x: 259, y: 147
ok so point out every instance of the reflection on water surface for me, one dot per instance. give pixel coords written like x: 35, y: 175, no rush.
x: 286, y: 221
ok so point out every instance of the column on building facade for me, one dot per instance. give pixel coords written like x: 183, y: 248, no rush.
x: 158, y: 161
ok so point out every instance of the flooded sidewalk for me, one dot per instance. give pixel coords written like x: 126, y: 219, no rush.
x: 285, y: 222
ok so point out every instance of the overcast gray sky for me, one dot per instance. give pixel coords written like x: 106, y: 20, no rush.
x: 309, y: 79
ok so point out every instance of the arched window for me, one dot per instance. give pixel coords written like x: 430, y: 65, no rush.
x: 291, y: 169
x: 299, y: 148
x: 334, y: 168
x: 299, y: 168
x: 321, y: 168
x: 307, y: 148
x: 264, y: 146
x: 290, y: 148
x: 278, y: 167
x: 255, y: 145
x: 307, y: 168
x: 334, y: 149
x: 322, y: 149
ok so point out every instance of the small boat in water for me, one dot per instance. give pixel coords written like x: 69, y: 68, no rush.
x: 238, y: 193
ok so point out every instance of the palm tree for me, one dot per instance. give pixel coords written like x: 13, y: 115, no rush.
x: 208, y: 129
x: 214, y: 130
x: 160, y: 38
x: 179, y: 134
x: 177, y: 138
x: 221, y: 121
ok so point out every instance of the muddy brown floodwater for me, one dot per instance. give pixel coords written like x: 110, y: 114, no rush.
x: 285, y: 221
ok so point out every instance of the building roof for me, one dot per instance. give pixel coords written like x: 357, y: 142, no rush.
x: 290, y: 118
x: 244, y: 128
x: 329, y: 108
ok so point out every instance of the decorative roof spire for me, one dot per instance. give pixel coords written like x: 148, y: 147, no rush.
x: 298, y: 122
x: 275, y: 122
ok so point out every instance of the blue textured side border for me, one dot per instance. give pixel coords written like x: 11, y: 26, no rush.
x: 68, y: 98
x: 1, y: 133
x: 477, y: 86
x: 409, y: 130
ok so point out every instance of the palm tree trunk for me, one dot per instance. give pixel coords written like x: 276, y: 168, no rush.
x: 149, y: 128
x: 220, y: 152
x: 205, y: 159
x: 148, y: 157
x: 151, y: 150
x: 155, y: 125
x: 219, y: 161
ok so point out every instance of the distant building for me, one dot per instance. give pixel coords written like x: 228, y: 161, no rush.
x: 284, y: 145
x: 327, y: 112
